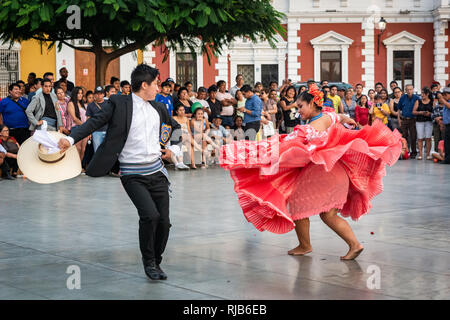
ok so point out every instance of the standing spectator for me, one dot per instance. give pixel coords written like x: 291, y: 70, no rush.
x: 77, y: 113
x: 12, y: 147
x: 324, y: 83
x: 240, y: 106
x: 445, y: 102
x: 379, y: 110
x: 238, y: 86
x: 38, y: 82
x: 214, y: 105
x: 378, y: 87
x: 349, y: 104
x: 258, y: 87
x: 115, y: 82
x: 438, y: 125
x: 126, y: 87
x: 30, y: 82
x: 165, y: 97
x: 94, y: 108
x: 393, y: 107
x: 183, y: 99
x: 61, y: 104
x: 13, y: 115
x: 89, y: 98
x: 362, y: 112
x: 371, y: 94
x: 423, y: 109
x: 341, y: 94
x: 227, y: 102
x: 43, y: 108
x: 176, y: 88
x: 393, y: 84
x: 333, y: 96
x: 357, y: 96
x: 22, y: 89
x: 269, y: 109
x: 273, y: 85
x: 64, y: 74
x: 201, y: 98
x: 109, y: 91
x: 384, y: 96
x: 189, y: 86
x: 289, y: 108
x: 407, y: 118
x: 63, y: 85
x: 252, y: 112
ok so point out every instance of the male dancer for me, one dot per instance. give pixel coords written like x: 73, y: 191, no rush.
x: 136, y: 128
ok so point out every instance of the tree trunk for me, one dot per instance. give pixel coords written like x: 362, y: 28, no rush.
x: 101, y: 64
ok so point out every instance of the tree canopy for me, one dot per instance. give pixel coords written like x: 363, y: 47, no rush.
x: 127, y: 25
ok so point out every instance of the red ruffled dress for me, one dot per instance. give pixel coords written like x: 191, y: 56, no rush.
x: 294, y: 176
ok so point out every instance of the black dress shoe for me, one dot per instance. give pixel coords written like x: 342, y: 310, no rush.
x: 162, y: 274
x: 151, y: 271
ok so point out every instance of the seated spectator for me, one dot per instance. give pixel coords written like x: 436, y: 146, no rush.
x: 11, y: 147
x: 219, y: 135
x: 200, y: 130
x: 379, y: 110
x: 238, y: 130
x: 440, y: 155
x: 189, y: 86
x: 405, y: 152
x: 4, y: 165
x: 183, y: 138
x: 362, y: 112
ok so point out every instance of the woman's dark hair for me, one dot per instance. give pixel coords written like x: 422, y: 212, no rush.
x: 2, y: 126
x: 124, y: 83
x: 235, y: 94
x: 76, y: 103
x: 236, y: 119
x: 366, y: 105
x: 428, y: 92
x: 181, y: 89
x: 142, y: 73
x: 176, y: 108
x: 371, y: 90
x: 384, y: 90
x: 291, y: 88
x: 306, y: 96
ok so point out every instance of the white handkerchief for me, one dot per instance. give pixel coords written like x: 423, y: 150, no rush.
x: 47, y: 140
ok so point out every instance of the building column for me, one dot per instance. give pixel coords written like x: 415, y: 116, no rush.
x: 65, y: 58
x: 293, y: 26
x: 440, y: 51
x: 369, y: 53
x: 222, y: 67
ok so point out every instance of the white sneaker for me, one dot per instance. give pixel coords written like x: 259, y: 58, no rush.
x: 181, y: 166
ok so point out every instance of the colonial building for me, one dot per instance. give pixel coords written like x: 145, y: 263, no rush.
x: 336, y: 40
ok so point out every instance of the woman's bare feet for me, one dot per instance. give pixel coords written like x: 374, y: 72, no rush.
x: 300, y: 250
x: 353, y: 252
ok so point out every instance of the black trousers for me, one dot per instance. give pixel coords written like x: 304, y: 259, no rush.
x: 4, y: 167
x: 251, y: 130
x: 447, y: 144
x: 12, y: 163
x: 20, y: 134
x: 409, y: 132
x: 438, y: 135
x: 150, y: 195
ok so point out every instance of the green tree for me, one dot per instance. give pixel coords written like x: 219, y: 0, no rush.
x: 128, y: 25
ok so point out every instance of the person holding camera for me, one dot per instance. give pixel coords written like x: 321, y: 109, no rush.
x: 379, y: 110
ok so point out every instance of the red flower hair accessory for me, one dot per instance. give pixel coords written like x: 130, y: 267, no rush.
x: 317, y: 94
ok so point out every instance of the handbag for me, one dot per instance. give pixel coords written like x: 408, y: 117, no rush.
x: 10, y: 146
x: 268, y: 129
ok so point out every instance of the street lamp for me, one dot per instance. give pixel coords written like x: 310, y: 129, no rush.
x: 382, y: 27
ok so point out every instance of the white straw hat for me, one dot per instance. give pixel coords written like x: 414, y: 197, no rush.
x: 40, y: 166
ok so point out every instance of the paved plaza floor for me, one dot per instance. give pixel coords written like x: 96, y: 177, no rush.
x: 213, y: 253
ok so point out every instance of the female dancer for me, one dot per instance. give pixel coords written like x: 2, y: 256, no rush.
x: 320, y: 168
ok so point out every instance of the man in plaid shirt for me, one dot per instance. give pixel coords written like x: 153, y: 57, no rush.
x: 438, y: 125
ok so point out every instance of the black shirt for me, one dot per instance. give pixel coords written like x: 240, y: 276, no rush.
x: 187, y: 110
x: 50, y: 109
x: 216, y: 108
x: 289, y: 116
x: 424, y: 107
